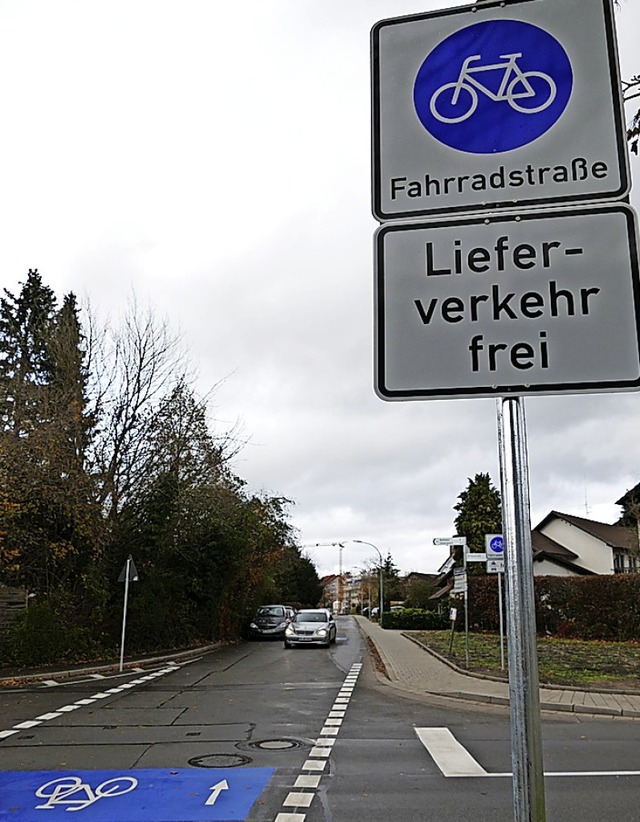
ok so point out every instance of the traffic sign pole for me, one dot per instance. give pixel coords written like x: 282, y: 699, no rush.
x: 524, y: 691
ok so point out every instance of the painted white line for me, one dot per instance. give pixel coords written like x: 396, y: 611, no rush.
x: 450, y: 756
x: 298, y: 800
x: 454, y: 760
x: 320, y: 752
x: 307, y: 781
x: 65, y: 709
x: 314, y: 765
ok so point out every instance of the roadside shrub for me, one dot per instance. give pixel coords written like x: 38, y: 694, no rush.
x: 413, y: 619
x: 39, y: 636
x: 605, y: 607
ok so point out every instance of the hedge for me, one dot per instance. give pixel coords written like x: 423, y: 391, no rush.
x: 414, y: 619
x: 589, y: 607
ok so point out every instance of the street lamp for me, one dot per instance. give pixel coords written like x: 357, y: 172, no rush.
x: 364, y: 542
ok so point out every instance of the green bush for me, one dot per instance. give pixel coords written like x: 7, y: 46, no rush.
x: 414, y: 619
x: 40, y: 636
x: 605, y: 607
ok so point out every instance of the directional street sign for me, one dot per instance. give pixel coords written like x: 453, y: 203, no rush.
x: 483, y: 106
x: 539, y: 302
x: 138, y: 795
x: 450, y: 541
x: 459, y: 581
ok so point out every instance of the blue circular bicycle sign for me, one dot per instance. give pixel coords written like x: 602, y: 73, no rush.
x: 497, y: 545
x: 493, y: 86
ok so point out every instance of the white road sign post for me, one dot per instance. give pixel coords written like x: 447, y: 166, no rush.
x: 477, y: 107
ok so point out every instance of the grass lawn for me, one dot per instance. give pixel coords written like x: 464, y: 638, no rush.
x: 569, y: 662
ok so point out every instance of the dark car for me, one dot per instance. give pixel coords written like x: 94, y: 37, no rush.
x: 270, y: 621
x: 313, y: 626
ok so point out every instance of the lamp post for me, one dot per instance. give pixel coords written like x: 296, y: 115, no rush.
x: 363, y: 542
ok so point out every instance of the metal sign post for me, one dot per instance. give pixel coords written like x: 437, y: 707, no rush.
x: 460, y: 584
x: 494, y: 545
x: 129, y: 572
x: 524, y: 691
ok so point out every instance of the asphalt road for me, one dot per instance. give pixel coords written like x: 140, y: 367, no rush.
x: 260, y: 733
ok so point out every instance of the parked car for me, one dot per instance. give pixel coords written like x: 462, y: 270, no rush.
x: 270, y: 621
x: 312, y: 626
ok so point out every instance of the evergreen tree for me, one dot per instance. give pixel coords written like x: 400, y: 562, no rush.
x: 52, y: 535
x: 26, y: 322
x: 479, y: 512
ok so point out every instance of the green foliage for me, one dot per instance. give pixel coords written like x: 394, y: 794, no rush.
x: 40, y: 636
x: 413, y: 619
x: 418, y: 594
x: 114, y: 458
x: 479, y: 512
x: 589, y: 607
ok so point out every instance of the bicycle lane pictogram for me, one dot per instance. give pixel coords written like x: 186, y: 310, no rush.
x: 493, y: 87
x: 142, y: 795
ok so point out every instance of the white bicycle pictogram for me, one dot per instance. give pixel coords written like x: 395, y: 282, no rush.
x: 76, y: 794
x: 515, y: 88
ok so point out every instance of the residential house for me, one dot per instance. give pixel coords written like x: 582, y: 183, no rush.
x: 566, y: 545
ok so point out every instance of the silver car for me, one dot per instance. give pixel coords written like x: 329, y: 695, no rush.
x: 313, y: 626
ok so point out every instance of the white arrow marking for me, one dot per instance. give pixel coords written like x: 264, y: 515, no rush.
x: 216, y: 790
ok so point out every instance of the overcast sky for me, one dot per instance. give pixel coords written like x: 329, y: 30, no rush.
x: 214, y: 157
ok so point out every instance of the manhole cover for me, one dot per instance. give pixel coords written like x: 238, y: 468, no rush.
x: 272, y: 744
x: 220, y: 761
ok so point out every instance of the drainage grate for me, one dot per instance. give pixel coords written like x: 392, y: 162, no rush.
x: 220, y: 761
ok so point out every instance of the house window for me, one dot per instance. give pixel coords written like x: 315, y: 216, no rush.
x: 618, y: 563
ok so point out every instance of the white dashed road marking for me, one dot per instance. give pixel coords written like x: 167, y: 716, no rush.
x: 319, y: 754
x: 80, y: 703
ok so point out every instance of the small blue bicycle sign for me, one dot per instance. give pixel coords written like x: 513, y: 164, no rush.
x: 496, y: 545
x: 493, y: 86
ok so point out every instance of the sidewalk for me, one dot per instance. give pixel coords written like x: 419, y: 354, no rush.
x: 411, y: 668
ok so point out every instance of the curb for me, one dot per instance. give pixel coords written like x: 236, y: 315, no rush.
x: 38, y: 676
x: 545, y: 685
x: 502, y: 701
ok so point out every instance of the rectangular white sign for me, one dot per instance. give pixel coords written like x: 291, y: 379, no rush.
x: 542, y: 302
x: 482, y: 106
